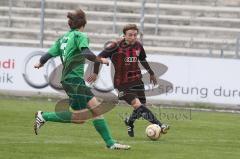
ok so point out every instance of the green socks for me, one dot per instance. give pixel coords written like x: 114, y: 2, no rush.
x: 102, y: 128
x: 65, y: 117
x: 62, y: 117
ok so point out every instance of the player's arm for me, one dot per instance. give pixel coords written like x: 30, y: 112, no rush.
x: 93, y: 77
x: 145, y: 64
x: 104, y: 54
x: 88, y: 54
x: 97, y: 64
x: 44, y: 58
x: 52, y: 52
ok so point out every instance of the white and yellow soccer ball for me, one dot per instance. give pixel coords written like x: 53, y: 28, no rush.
x: 153, y: 131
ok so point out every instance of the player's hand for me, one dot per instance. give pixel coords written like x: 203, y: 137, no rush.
x: 38, y: 65
x: 153, y: 80
x: 104, y: 61
x: 92, y: 78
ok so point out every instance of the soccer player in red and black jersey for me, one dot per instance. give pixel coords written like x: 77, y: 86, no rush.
x: 125, y: 55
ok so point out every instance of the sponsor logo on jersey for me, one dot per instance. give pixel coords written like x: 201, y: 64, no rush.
x: 131, y: 59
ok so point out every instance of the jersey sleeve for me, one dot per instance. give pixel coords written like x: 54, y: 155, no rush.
x: 142, y: 55
x: 83, y: 41
x: 55, y: 49
x: 109, y: 50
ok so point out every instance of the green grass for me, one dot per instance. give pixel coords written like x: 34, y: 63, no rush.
x: 192, y: 135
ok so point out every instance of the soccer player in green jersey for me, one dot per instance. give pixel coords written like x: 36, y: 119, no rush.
x: 73, y: 48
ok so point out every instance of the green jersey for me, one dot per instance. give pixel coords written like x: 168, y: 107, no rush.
x: 69, y: 48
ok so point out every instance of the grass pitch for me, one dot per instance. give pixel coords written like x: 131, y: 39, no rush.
x: 193, y: 134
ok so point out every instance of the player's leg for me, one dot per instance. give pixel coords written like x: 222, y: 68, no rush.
x: 147, y: 114
x: 142, y: 111
x: 63, y: 117
x: 100, y: 124
x: 74, y: 89
x: 42, y: 117
x: 141, y: 96
x: 139, y: 111
x: 102, y: 128
x: 128, y: 96
x: 140, y: 91
x: 129, y: 121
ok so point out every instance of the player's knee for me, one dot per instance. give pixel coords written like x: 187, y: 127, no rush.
x: 93, y: 102
x: 136, y: 103
x: 94, y: 107
x: 76, y: 118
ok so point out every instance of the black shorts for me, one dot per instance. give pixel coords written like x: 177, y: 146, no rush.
x: 132, y: 92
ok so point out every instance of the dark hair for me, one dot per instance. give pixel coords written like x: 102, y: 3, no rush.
x: 76, y: 19
x: 129, y: 27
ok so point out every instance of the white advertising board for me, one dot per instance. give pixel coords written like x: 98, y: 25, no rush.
x: 15, y: 64
x: 197, y: 79
x: 192, y: 79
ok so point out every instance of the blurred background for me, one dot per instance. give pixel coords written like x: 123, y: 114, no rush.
x: 178, y: 27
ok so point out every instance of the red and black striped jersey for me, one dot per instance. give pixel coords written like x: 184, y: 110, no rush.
x: 125, y: 59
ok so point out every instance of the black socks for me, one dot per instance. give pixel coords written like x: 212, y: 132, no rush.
x: 144, y: 112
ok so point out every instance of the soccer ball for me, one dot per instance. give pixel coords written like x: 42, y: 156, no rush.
x: 153, y: 131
